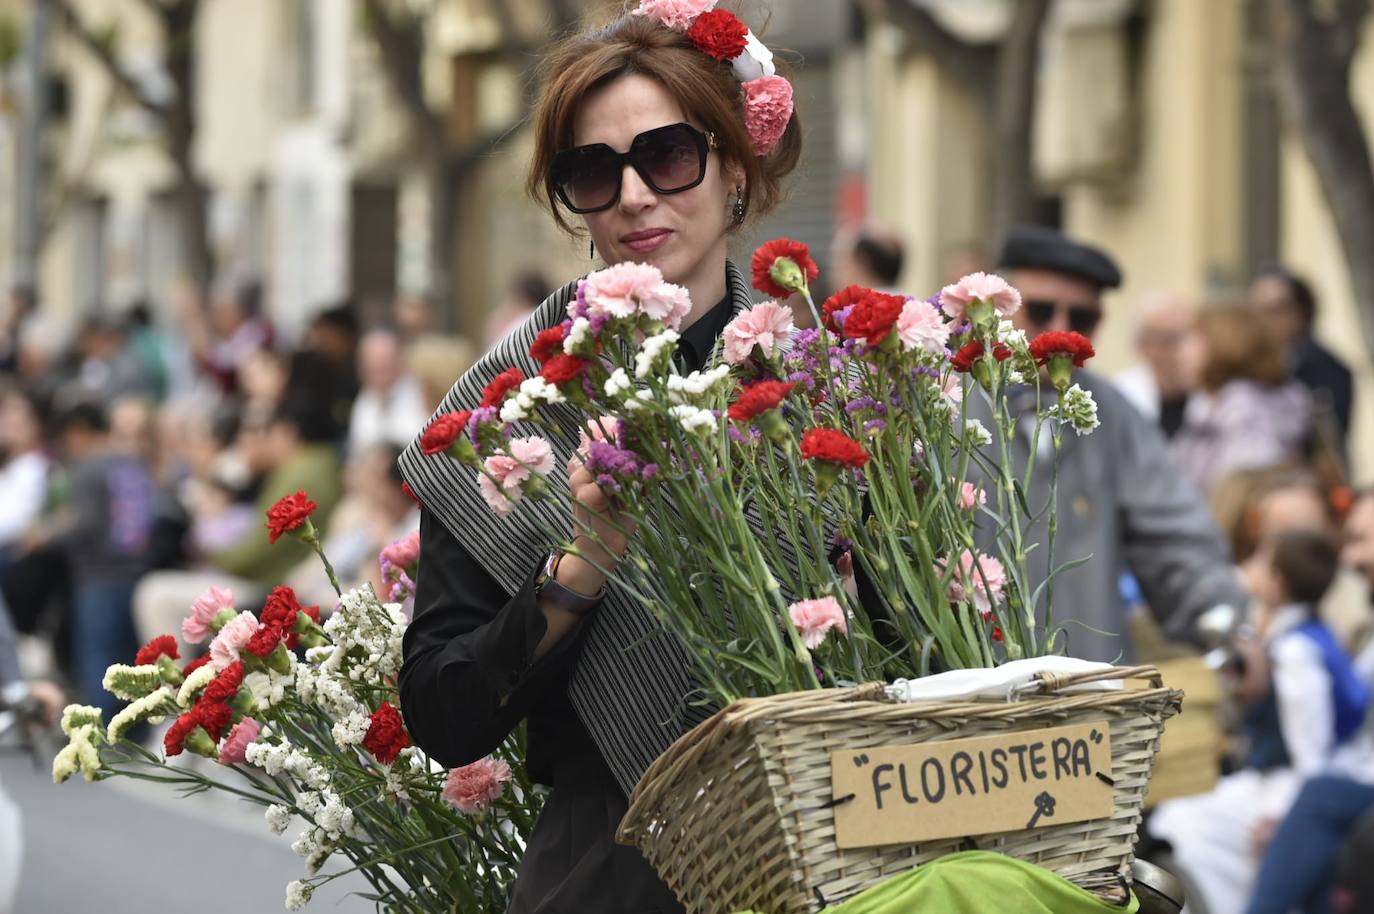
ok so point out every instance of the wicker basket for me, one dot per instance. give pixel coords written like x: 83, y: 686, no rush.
x: 736, y: 815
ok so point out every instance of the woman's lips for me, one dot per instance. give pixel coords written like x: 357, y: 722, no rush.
x: 647, y: 240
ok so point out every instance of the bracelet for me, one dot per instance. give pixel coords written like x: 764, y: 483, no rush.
x: 561, y: 597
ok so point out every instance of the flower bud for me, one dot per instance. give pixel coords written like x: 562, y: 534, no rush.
x: 167, y: 667
x: 786, y: 273
x: 199, y: 742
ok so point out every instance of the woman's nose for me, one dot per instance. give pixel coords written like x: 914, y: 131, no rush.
x: 635, y: 194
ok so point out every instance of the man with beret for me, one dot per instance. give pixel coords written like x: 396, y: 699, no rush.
x: 1120, y: 499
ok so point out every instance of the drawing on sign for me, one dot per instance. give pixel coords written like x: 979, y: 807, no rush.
x: 1044, y: 806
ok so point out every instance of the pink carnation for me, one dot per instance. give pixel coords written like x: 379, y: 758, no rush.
x: 815, y: 618
x: 764, y: 325
x: 508, y: 472
x: 989, y: 287
x: 675, y: 14
x: 978, y: 579
x: 920, y: 326
x: 767, y: 110
x: 232, y: 639
x: 473, y: 788
x: 603, y: 429
x: 195, y: 628
x: 668, y: 303
x: 404, y: 552
x: 970, y: 496
x: 236, y: 744
x: 618, y: 290
x: 497, y: 498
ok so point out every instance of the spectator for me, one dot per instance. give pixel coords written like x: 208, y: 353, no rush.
x: 1161, y: 385
x: 24, y: 474
x: 413, y: 317
x: 228, y: 333
x: 41, y: 343
x: 437, y: 361
x: 1305, y: 706
x: 1250, y: 414
x: 262, y: 379
x: 963, y: 258
x: 325, y: 369
x: 107, y: 368
x: 1289, y: 308
x: 869, y: 258
x: 526, y: 292
x: 151, y: 350
x: 391, y: 403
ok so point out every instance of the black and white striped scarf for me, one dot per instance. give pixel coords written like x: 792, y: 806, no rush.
x: 632, y: 680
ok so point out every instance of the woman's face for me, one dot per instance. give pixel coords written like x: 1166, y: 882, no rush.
x: 682, y: 234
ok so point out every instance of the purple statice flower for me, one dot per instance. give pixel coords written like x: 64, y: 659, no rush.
x: 841, y: 316
x: 597, y: 322
x: 803, y: 379
x: 749, y: 435
x: 566, y: 326
x: 842, y: 543
x: 934, y: 302
x: 925, y: 371
x: 604, y: 457
x: 588, y: 387
x: 649, y: 472
x: 875, y: 425
x: 860, y: 404
x: 608, y: 482
x: 480, y: 417
x: 579, y: 308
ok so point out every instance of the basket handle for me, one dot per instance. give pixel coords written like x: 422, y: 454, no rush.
x: 1055, y: 682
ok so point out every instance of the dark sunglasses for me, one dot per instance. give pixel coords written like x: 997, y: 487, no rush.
x: 669, y: 159
x: 1081, y: 318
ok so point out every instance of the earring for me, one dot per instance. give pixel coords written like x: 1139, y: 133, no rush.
x: 591, y: 250
x: 737, y: 211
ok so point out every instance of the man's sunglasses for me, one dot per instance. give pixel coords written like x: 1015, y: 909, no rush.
x: 669, y: 159
x: 1081, y: 318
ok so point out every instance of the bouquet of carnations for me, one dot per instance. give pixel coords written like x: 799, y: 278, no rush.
x: 318, y: 742
x: 797, y: 465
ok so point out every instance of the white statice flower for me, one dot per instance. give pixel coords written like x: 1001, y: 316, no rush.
x: 152, y: 705
x: 200, y: 678
x: 298, y: 894
x: 698, y: 383
x: 578, y: 334
x: 269, y: 688
x: 318, y: 859
x: 80, y: 755
x: 977, y: 433
x: 1078, y: 409
x: 130, y: 682
x: 619, y: 382
x: 1015, y: 378
x: 317, y: 654
x: 75, y: 716
x: 1014, y: 338
x: 655, y: 351
x: 334, y: 817
x: 349, y: 731
x: 278, y: 818
x: 693, y: 420
x: 270, y: 757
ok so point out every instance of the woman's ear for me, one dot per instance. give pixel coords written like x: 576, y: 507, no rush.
x: 733, y: 173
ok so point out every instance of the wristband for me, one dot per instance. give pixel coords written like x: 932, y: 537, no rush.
x: 555, y: 594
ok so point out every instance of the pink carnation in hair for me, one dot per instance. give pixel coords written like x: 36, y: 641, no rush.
x: 767, y: 110
x: 195, y: 628
x: 232, y: 639
x: 473, y: 788
x: 978, y: 579
x: 236, y: 744
x: 815, y: 618
x: 765, y: 325
x: 617, y: 290
x: 404, y: 552
x: 955, y: 298
x: 675, y: 14
x: 668, y: 303
x: 920, y: 326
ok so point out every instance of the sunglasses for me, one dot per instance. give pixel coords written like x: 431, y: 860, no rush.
x: 1080, y: 318
x: 669, y: 159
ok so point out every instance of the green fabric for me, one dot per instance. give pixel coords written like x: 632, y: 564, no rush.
x: 316, y: 472
x: 978, y: 882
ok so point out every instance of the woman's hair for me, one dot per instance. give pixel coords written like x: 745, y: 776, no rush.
x: 704, y: 87
x: 1239, y: 347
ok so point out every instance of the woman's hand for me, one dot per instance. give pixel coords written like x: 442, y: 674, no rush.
x: 601, y: 533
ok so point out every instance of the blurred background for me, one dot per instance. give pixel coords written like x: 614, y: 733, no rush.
x: 263, y: 237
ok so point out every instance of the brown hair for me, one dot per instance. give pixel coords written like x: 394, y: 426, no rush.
x: 706, y: 88
x: 1305, y: 561
x: 1239, y: 347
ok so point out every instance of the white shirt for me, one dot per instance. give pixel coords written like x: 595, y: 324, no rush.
x: 23, y: 492
x: 395, y: 416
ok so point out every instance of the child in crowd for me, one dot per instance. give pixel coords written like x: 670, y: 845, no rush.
x: 1304, y: 707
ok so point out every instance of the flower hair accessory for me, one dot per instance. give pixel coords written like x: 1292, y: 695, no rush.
x: 720, y: 34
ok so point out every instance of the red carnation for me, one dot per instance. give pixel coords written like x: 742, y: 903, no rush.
x: 194, y: 665
x: 969, y: 353
x: 1062, y: 342
x: 386, y: 735
x: 830, y: 446
x: 173, y: 742
x: 495, y: 392
x: 767, y: 256
x: 280, y: 608
x: 873, y: 317
x: 288, y: 514
x: 759, y: 398
x: 1001, y: 352
x: 996, y: 633
x: 547, y: 344
x: 162, y: 644
x: 720, y: 34
x: 226, y: 685
x: 410, y: 493
x: 563, y: 368
x: 846, y: 297
x: 313, y: 612
x: 264, y: 641
x: 443, y: 431
x: 213, y: 716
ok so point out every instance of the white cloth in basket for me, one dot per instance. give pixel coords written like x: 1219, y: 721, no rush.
x: 1005, y: 681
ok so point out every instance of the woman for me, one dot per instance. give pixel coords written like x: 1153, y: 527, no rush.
x: 645, y: 138
x: 1250, y: 413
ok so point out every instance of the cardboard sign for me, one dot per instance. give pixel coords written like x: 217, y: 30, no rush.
x: 1009, y: 782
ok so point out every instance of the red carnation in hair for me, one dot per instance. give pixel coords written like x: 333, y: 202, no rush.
x: 162, y: 644
x: 719, y: 34
x: 969, y: 353
x: 1062, y: 342
x: 287, y: 515
x: 495, y: 392
x: 442, y: 432
x: 547, y: 344
x: 768, y: 254
x: 873, y: 317
x: 386, y: 734
x: 846, y: 297
x: 224, y: 686
x: 563, y: 368
x: 830, y: 446
x: 759, y: 398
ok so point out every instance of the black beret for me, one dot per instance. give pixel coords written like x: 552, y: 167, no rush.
x: 1040, y: 248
